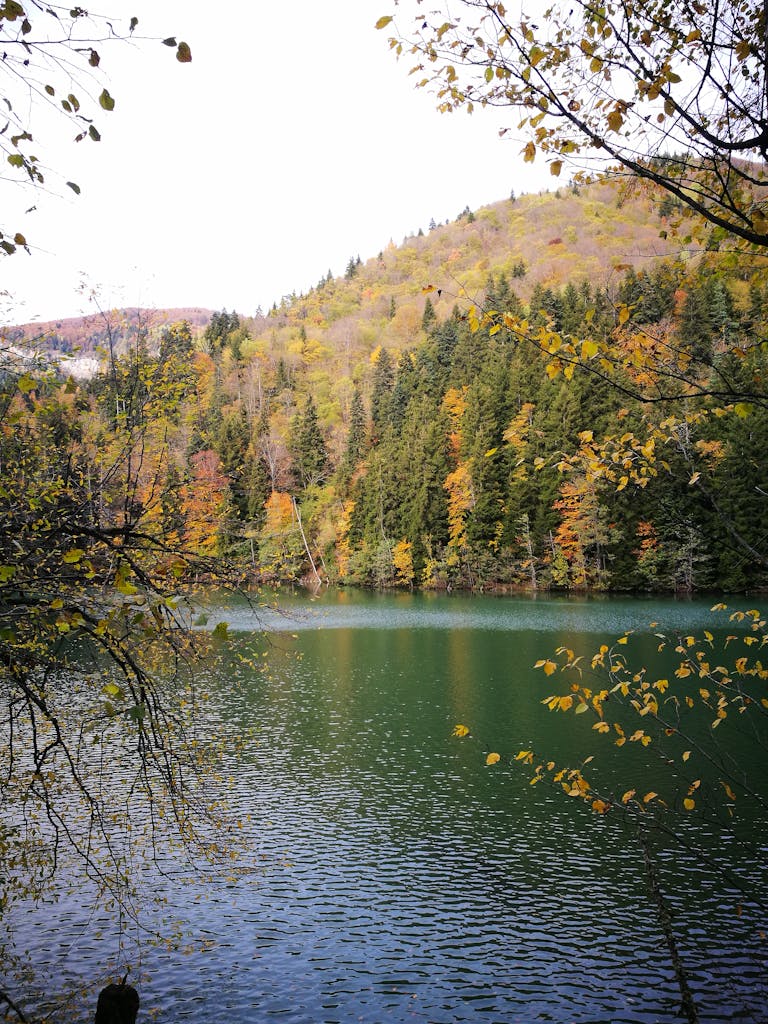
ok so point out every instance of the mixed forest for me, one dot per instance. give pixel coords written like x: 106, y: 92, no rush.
x: 425, y: 419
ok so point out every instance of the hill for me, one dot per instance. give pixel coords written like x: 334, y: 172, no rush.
x: 86, y: 334
x: 590, y: 233
x: 604, y: 428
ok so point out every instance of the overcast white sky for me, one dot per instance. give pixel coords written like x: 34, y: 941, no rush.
x: 293, y: 141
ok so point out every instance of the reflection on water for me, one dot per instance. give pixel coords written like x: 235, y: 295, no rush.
x: 349, y: 609
x: 403, y: 880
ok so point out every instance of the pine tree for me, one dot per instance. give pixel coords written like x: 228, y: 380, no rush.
x: 381, y: 390
x: 429, y: 316
x: 310, y: 456
x: 356, y: 435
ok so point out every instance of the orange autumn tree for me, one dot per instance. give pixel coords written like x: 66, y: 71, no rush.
x: 205, y: 502
x: 582, y: 535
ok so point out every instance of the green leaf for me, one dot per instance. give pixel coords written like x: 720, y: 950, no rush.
x: 94, y: 133
x: 105, y: 100
x: 138, y: 712
x: 221, y: 631
x: 16, y: 160
x: 743, y: 409
x: 183, y: 53
x: 6, y: 572
x: 73, y: 556
x: 26, y: 382
x: 170, y: 41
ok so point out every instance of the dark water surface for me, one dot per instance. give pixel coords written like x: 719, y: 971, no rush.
x: 404, y: 880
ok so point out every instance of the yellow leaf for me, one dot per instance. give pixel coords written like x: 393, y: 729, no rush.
x: 555, y: 167
x: 384, y: 21
x: 600, y: 806
x: 460, y: 730
x: 628, y: 796
x: 566, y: 703
x: 589, y: 349
x: 624, y: 314
x: 602, y: 727
x: 686, y: 754
x: 493, y: 758
x: 529, y: 153
x: 728, y: 790
x: 693, y: 479
x: 649, y: 796
x: 689, y: 804
x: 490, y: 452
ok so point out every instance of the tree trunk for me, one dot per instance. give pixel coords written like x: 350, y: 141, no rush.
x: 118, y: 1004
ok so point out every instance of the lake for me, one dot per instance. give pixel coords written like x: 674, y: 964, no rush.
x: 402, y: 879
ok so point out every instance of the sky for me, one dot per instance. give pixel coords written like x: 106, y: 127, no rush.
x: 293, y: 141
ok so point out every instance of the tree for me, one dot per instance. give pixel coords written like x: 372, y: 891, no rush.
x: 94, y: 583
x: 672, y: 93
x: 357, y: 435
x: 104, y: 748
x: 52, y: 57
x: 310, y: 456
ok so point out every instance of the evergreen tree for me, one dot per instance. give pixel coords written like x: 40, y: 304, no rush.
x: 695, y: 326
x: 381, y: 390
x: 308, y: 449
x: 256, y: 485
x: 429, y: 315
x: 356, y: 435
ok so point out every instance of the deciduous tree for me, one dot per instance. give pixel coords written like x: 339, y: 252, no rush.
x: 674, y: 93
x: 52, y: 60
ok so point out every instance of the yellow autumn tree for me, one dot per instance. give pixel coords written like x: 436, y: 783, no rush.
x: 343, y: 546
x: 402, y: 561
x: 461, y: 500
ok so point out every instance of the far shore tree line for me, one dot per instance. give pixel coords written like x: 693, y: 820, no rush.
x: 463, y: 460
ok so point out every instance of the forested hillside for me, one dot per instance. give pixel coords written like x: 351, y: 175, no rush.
x: 428, y: 418
x: 87, y: 334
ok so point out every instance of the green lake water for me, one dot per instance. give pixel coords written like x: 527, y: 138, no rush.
x: 403, y: 879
